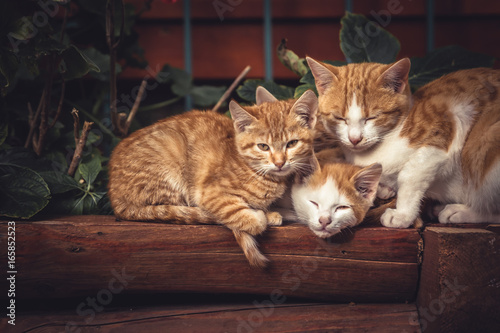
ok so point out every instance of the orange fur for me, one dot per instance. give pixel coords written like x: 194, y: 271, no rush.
x: 200, y: 167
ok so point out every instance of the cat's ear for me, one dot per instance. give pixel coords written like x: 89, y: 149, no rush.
x: 323, y: 77
x: 366, y: 181
x: 262, y: 96
x: 396, y: 76
x: 241, y: 118
x: 305, y: 108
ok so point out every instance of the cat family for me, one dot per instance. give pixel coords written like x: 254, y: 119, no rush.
x: 203, y: 167
x: 442, y: 142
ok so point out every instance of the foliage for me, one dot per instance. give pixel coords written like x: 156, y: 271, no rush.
x: 362, y: 40
x: 46, y: 49
x: 39, y: 58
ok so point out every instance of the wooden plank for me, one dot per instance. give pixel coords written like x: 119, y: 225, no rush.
x: 257, y: 316
x: 80, y: 255
x: 460, y: 280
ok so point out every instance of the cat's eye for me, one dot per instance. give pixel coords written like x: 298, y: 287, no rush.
x: 339, y: 118
x: 263, y: 146
x: 341, y: 208
x: 314, y: 203
x: 292, y: 143
x: 370, y: 118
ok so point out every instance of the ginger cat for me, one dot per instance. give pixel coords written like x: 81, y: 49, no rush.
x: 336, y: 196
x: 442, y: 143
x: 202, y: 167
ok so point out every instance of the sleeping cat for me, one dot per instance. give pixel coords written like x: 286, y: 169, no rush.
x: 442, y: 143
x: 336, y: 196
x: 202, y: 167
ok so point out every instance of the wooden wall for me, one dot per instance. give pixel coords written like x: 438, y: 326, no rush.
x: 224, y: 44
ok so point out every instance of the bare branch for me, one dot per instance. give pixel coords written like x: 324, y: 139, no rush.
x: 135, y: 107
x: 76, y: 125
x: 231, y: 88
x: 79, y: 148
x: 59, y: 106
x: 34, y: 120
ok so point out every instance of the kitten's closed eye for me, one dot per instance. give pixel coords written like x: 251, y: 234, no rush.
x: 314, y: 203
x: 342, y: 208
x: 370, y: 118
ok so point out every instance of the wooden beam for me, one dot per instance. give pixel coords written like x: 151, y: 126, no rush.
x: 82, y: 255
x: 460, y: 280
x: 256, y: 316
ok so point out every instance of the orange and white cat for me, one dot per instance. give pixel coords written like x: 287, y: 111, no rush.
x: 202, y: 167
x: 442, y: 143
x: 335, y: 197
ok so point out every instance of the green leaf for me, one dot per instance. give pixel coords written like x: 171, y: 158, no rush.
x: 101, y: 60
x: 8, y: 67
x: 76, y: 64
x: 309, y: 78
x: 58, y: 182
x: 90, y: 169
x: 362, y: 40
x: 181, y: 81
x: 303, y: 88
x: 23, y: 192
x: 291, y: 60
x: 443, y: 61
x: 205, y: 96
x: 247, y: 90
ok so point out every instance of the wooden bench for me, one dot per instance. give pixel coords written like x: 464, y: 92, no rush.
x: 98, y: 274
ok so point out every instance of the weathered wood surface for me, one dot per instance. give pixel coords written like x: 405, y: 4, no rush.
x: 241, y: 318
x: 460, y: 280
x: 81, y: 255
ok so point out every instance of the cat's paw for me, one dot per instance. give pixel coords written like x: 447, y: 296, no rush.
x: 253, y: 222
x: 385, y: 192
x: 274, y: 218
x: 393, y: 218
x: 457, y: 213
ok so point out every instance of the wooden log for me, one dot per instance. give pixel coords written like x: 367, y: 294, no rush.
x: 82, y: 255
x: 256, y: 316
x: 460, y: 280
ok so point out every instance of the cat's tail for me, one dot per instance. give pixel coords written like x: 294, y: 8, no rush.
x: 375, y: 213
x: 171, y: 213
x: 251, y: 249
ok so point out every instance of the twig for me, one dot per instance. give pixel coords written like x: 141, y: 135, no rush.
x: 34, y: 119
x: 59, y: 106
x: 135, y: 107
x: 76, y: 125
x: 231, y: 88
x: 79, y: 148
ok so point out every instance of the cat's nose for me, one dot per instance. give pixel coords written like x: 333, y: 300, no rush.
x: 279, y: 164
x: 355, y: 139
x: 325, y: 220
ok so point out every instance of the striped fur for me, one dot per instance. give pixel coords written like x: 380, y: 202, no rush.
x: 201, y: 167
x: 442, y: 143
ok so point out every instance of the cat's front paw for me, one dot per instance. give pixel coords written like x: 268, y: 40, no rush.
x: 251, y: 221
x: 457, y: 213
x: 274, y: 218
x: 393, y: 218
x: 385, y: 192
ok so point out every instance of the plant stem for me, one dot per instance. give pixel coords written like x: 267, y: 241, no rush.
x: 231, y: 88
x: 79, y: 148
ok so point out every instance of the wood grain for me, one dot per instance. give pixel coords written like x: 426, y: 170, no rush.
x: 460, y: 280
x: 256, y: 316
x: 80, y: 255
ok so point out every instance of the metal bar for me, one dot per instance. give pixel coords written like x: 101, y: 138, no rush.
x: 268, y: 41
x: 188, y: 62
x: 430, y: 25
